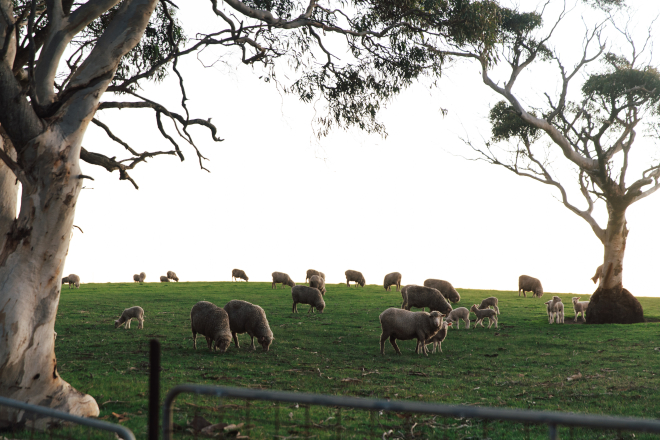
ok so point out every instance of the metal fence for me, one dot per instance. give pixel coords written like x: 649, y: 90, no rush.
x: 242, y: 413
x: 25, y: 421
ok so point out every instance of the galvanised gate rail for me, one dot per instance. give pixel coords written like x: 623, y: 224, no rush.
x: 403, y: 410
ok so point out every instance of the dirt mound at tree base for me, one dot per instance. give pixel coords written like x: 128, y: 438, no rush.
x: 614, y: 306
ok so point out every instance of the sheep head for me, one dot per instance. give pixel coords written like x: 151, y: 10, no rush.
x: 265, y: 342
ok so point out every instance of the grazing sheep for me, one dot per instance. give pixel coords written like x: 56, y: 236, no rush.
x: 555, y: 310
x: 307, y: 295
x: 529, y: 284
x: 212, y: 322
x: 164, y: 279
x: 136, y: 278
x: 284, y: 279
x: 354, y: 275
x: 128, y: 314
x: 489, y: 302
x: 421, y: 297
x: 392, y: 279
x: 73, y: 280
x: 445, y: 288
x: 143, y: 276
x: 245, y: 317
x: 238, y: 274
x: 579, y: 307
x: 481, y: 314
x: 172, y: 276
x: 439, y: 337
x: 457, y: 314
x: 406, y: 325
x: 599, y: 272
x: 318, y: 282
x: 312, y: 272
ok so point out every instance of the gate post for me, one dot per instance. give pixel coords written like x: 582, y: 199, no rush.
x: 154, y: 389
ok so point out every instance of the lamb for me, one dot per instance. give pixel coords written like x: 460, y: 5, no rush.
x: 445, y: 288
x: 212, y: 322
x: 318, y: 282
x: 354, y: 275
x: 312, y: 272
x: 307, y: 295
x: 143, y: 276
x: 392, y: 279
x: 406, y: 325
x: 128, y: 314
x: 164, y: 279
x: 239, y: 274
x: 489, y: 302
x: 284, y: 279
x: 599, y: 272
x: 73, y: 280
x: 245, y: 317
x: 440, y: 336
x: 555, y: 310
x: 136, y: 278
x: 529, y: 284
x: 456, y: 315
x: 579, y: 307
x: 421, y: 296
x: 486, y: 313
x: 172, y: 276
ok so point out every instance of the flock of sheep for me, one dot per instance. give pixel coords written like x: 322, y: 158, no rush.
x: 163, y: 279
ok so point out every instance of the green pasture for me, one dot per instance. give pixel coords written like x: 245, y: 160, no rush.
x: 525, y: 363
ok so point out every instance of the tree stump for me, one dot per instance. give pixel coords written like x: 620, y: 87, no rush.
x: 614, y: 306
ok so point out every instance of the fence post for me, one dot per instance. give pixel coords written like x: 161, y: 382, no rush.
x: 154, y: 389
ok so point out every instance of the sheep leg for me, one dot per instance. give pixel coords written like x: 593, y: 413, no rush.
x: 272, y: 286
x: 252, y: 343
x: 141, y: 323
x: 383, y: 337
x: 208, y: 343
x: 233, y: 335
x: 294, y: 309
x: 490, y: 322
x: 393, y: 342
x: 128, y: 324
x: 194, y: 339
x: 311, y: 309
x: 497, y: 310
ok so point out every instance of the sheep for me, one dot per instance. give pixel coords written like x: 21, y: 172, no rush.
x: 354, y: 275
x: 128, y: 314
x: 440, y: 336
x: 212, y: 322
x: 284, y: 279
x: 172, y: 276
x: 143, y: 276
x: 529, y: 284
x: 445, y: 288
x: 245, y: 317
x: 481, y: 314
x: 406, y: 325
x: 555, y: 310
x: 73, y: 280
x: 307, y: 295
x: 599, y: 272
x: 164, y: 279
x: 579, y: 307
x: 489, y: 302
x: 421, y: 296
x: 136, y: 278
x: 238, y: 274
x: 457, y: 314
x: 65, y: 280
x: 312, y: 272
x: 318, y: 282
x: 392, y: 279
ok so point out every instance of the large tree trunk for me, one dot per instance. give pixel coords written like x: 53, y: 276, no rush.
x: 8, y: 189
x: 611, y: 303
x: 31, y: 263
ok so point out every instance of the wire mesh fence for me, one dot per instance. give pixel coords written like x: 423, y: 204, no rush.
x: 238, y: 413
x: 19, y: 420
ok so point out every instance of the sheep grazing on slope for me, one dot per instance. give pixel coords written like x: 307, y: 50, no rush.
x: 73, y: 280
x: 392, y: 279
x: 445, y: 288
x: 237, y: 274
x: 421, y: 297
x: 530, y: 284
x: 355, y: 276
x: 282, y: 278
x: 245, y: 317
x: 439, y: 337
x: 555, y: 310
x: 457, y: 315
x: 172, y: 276
x: 482, y: 314
x: 307, y: 295
x: 143, y: 276
x: 164, y: 279
x: 136, y: 278
x: 406, y: 325
x: 128, y: 314
x: 579, y: 307
x: 212, y: 322
x: 489, y: 302
x: 317, y: 282
x: 599, y: 272
x: 312, y: 272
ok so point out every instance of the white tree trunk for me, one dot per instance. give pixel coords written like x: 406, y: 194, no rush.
x: 614, y: 244
x: 8, y: 189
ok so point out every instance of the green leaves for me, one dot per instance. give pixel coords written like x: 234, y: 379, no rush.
x: 506, y: 124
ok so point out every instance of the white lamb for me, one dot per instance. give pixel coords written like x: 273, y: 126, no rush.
x: 579, y: 307
x: 133, y: 312
x: 456, y: 315
x: 555, y: 310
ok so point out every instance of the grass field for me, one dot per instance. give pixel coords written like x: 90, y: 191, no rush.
x: 523, y: 364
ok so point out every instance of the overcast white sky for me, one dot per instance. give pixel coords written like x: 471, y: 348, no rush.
x: 278, y: 199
